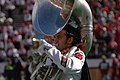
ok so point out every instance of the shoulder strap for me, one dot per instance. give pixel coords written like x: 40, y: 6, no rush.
x: 85, y: 72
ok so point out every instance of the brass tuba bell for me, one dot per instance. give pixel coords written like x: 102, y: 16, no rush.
x: 50, y: 17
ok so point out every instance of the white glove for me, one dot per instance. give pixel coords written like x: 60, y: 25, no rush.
x: 38, y: 52
x: 44, y: 46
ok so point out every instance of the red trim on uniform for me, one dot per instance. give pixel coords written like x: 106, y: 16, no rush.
x: 79, y: 56
x: 82, y: 47
x: 64, y: 58
x: 64, y: 61
x: 65, y: 50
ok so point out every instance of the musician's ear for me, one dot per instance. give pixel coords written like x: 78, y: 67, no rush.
x: 70, y: 40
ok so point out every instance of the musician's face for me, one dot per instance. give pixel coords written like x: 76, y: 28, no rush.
x: 61, y: 40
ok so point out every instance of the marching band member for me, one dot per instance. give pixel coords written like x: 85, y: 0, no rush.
x: 60, y: 58
x: 65, y: 54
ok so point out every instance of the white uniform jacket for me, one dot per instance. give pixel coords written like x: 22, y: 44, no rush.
x: 69, y: 61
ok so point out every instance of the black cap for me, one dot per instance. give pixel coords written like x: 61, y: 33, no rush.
x: 74, y: 32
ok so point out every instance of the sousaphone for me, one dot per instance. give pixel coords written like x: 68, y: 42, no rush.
x: 50, y: 16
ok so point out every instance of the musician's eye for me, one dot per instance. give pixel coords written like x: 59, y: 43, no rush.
x: 58, y: 37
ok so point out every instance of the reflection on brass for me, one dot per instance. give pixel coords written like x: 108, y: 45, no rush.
x: 66, y: 6
x: 58, y: 3
x: 47, y: 72
x: 84, y: 39
x: 35, y: 43
x: 66, y: 10
x: 82, y: 16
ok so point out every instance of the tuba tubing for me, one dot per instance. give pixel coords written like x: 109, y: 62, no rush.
x: 82, y: 16
x: 77, y: 11
x: 50, y: 17
x: 47, y: 72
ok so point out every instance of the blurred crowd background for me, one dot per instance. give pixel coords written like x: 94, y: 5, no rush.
x: 16, y: 34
